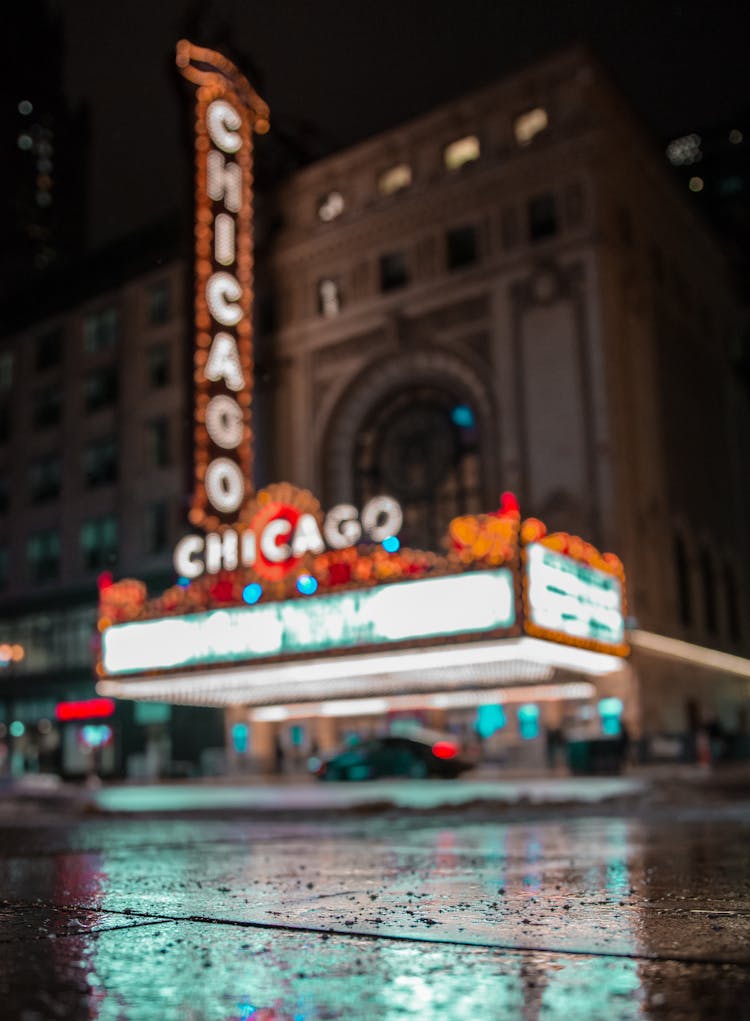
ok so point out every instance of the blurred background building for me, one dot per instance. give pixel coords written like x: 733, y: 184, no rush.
x: 512, y: 292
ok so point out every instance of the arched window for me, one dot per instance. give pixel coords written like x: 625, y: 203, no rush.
x: 682, y: 572
x: 421, y: 446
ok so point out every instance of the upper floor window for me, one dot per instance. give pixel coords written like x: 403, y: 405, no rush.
x: 731, y: 597
x: 684, y: 593
x: 43, y: 555
x: 461, y: 247
x: 47, y: 407
x: 156, y: 527
x: 463, y: 150
x: 157, y: 442
x: 100, y: 388
x: 528, y: 125
x: 708, y: 584
x: 394, y: 272
x: 158, y: 365
x: 49, y: 348
x: 542, y: 217
x: 6, y: 370
x: 45, y: 478
x: 159, y: 304
x: 100, y: 462
x: 394, y: 179
x: 329, y: 298
x: 331, y: 206
x: 101, y: 330
x: 99, y: 542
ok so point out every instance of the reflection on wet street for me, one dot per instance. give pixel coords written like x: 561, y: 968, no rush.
x: 386, y: 918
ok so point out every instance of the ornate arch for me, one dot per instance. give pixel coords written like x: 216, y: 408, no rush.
x: 374, y: 384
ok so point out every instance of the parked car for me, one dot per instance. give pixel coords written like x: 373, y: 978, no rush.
x: 420, y: 754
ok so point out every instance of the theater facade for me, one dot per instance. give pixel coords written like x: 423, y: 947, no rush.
x: 478, y: 304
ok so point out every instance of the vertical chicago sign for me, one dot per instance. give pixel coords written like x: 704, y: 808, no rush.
x: 227, y: 112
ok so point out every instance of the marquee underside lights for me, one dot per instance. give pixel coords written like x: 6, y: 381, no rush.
x: 365, y: 675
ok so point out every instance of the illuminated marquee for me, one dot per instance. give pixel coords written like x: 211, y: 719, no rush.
x: 227, y: 112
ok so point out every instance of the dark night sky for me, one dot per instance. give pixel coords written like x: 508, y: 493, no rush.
x: 352, y: 68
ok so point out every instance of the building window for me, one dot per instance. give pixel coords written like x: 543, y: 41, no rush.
x: 529, y: 124
x: 394, y: 179
x: 542, y: 214
x: 47, y: 407
x: 49, y: 347
x: 422, y: 446
x: 159, y: 304
x: 574, y: 205
x: 157, y: 443
x: 158, y: 365
x: 708, y: 584
x: 682, y: 572
x: 45, y: 478
x: 100, y: 388
x: 101, y: 330
x: 461, y: 247
x: 509, y: 227
x: 99, y: 543
x: 331, y: 206
x: 156, y: 527
x: 100, y: 462
x: 731, y: 597
x: 393, y: 271
x: 463, y: 150
x: 6, y: 370
x: 329, y: 298
x: 43, y: 556
x: 5, y: 420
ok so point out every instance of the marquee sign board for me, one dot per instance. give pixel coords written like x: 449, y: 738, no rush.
x: 569, y: 601
x: 480, y: 602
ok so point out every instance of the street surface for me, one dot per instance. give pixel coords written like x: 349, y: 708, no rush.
x: 640, y: 913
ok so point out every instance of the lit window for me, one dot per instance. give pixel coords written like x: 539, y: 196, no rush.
x: 331, y: 206
x: 528, y: 125
x: 394, y: 179
x: 329, y: 298
x: 100, y: 330
x: 99, y: 543
x: 463, y: 150
x: 393, y: 271
x: 43, y: 556
x: 159, y: 304
x: 100, y: 462
x: 684, y: 151
x: 45, y: 478
x: 461, y: 247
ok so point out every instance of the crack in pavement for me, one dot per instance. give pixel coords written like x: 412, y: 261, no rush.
x: 153, y: 918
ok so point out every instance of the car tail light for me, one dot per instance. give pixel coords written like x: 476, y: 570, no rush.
x: 444, y: 750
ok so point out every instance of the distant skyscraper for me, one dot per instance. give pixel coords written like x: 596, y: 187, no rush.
x: 44, y: 152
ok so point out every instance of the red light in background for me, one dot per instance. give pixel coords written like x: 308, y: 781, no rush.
x: 105, y: 580
x: 89, y: 709
x: 444, y: 750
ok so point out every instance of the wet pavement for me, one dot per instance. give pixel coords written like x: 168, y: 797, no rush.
x: 389, y: 916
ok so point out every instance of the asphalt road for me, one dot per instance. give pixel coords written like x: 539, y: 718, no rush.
x: 385, y: 916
